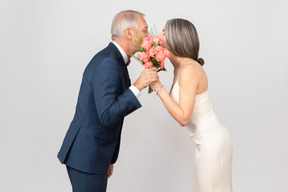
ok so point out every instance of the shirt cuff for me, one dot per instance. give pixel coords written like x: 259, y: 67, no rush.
x: 135, y: 91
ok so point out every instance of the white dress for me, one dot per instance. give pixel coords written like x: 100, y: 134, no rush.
x: 213, y: 154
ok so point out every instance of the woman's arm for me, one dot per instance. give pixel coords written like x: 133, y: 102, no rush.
x: 188, y: 82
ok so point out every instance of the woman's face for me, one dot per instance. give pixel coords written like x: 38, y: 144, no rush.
x: 162, y: 36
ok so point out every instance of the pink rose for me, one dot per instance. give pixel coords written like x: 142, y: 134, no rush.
x: 146, y: 43
x: 148, y: 64
x: 160, y: 56
x: 151, y: 52
x: 166, y: 52
x: 143, y: 56
x: 157, y: 40
x: 158, y: 48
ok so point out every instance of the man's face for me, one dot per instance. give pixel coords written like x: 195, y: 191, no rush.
x: 141, y: 31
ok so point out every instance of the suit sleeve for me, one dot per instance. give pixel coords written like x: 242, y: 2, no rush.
x: 112, y: 103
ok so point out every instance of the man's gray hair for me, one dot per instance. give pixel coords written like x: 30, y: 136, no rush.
x: 123, y: 20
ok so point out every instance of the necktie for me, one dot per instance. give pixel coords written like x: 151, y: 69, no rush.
x: 128, y: 62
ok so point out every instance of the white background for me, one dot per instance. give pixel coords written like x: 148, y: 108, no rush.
x: 45, y: 46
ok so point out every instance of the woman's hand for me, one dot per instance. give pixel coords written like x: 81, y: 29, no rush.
x: 156, y: 85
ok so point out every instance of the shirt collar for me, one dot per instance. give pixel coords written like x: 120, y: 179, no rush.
x: 125, y: 57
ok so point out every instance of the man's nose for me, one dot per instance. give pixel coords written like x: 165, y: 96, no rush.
x: 149, y: 35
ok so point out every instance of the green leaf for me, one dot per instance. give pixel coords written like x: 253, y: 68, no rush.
x: 133, y: 56
x: 153, y: 32
x: 150, y: 90
x: 156, y: 30
x: 162, y: 69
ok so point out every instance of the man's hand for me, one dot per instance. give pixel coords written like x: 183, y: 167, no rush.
x: 110, y: 170
x: 147, y: 77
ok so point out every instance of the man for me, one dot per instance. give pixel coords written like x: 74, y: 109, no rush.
x: 91, y: 145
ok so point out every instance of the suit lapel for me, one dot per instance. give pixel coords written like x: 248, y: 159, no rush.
x: 122, y: 63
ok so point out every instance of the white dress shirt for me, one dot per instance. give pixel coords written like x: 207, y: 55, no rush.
x: 134, y: 89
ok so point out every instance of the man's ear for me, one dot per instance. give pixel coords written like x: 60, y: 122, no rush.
x: 128, y: 33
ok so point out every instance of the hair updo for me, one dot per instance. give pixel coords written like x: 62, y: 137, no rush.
x: 182, y: 39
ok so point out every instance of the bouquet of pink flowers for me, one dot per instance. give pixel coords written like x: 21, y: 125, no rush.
x: 152, y: 54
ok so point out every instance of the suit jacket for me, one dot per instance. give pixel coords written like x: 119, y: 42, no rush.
x: 92, y: 141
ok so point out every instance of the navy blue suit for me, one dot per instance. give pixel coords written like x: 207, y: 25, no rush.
x: 92, y: 141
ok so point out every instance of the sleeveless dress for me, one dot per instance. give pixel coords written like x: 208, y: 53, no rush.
x: 213, y: 151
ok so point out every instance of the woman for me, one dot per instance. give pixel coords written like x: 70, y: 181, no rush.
x: 190, y: 106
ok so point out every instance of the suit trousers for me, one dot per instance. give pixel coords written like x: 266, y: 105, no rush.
x: 87, y: 182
